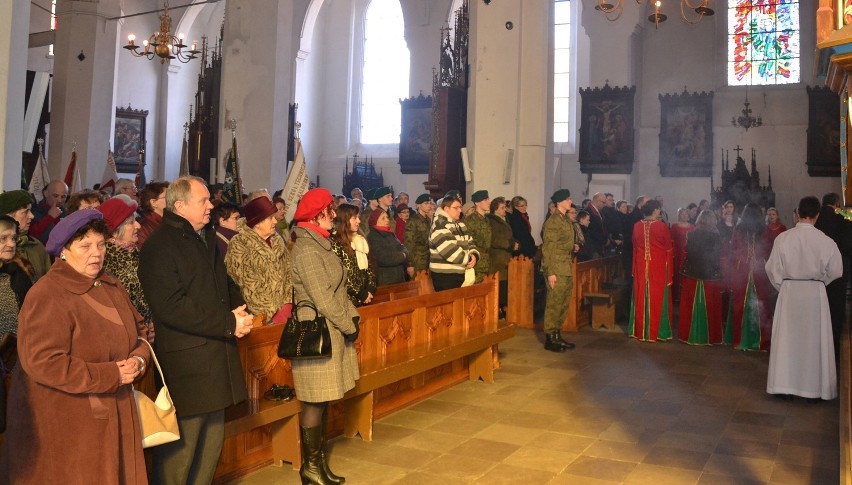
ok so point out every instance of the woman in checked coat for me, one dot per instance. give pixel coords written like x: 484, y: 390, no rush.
x: 318, y: 276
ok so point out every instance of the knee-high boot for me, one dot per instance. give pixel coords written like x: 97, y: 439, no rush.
x: 312, y: 471
x: 331, y: 476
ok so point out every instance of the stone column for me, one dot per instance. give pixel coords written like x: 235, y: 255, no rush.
x: 508, y: 102
x: 258, y: 61
x: 82, y: 100
x: 14, y: 30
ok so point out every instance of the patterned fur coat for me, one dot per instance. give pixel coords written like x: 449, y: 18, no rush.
x: 261, y: 270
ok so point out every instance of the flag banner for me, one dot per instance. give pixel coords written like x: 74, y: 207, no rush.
x: 77, y: 185
x: 69, y: 172
x: 110, y: 175
x: 232, y: 190
x: 40, y: 179
x: 184, y: 158
x: 296, y: 183
x: 140, y: 172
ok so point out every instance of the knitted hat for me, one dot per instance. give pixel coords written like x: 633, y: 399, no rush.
x: 374, y: 217
x: 116, y: 211
x: 479, y: 196
x: 66, y: 228
x: 560, y: 195
x: 13, y: 200
x: 258, y: 210
x: 402, y: 207
x: 312, y: 203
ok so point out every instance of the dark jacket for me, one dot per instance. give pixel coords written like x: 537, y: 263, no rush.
x: 389, y: 257
x: 502, y: 244
x: 838, y: 229
x: 703, y: 249
x: 521, y: 231
x: 191, y: 298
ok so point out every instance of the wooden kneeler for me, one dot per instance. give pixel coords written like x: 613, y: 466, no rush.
x: 603, y: 309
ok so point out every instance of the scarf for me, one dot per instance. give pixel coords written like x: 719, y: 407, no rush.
x: 315, y: 228
x: 362, y: 249
x: 383, y: 228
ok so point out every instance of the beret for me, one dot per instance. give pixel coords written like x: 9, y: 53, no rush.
x: 560, y: 195
x: 402, y: 207
x: 423, y: 198
x: 312, y: 203
x: 479, y: 196
x: 258, y: 210
x: 374, y: 217
x: 67, y: 226
x: 381, y: 192
x: 14, y: 199
x: 370, y: 194
x: 116, y: 211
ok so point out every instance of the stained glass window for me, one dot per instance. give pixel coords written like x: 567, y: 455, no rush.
x: 763, y: 42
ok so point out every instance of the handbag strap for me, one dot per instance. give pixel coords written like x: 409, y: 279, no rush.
x: 154, y: 358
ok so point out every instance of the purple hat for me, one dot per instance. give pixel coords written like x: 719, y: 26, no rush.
x: 258, y: 210
x: 66, y: 228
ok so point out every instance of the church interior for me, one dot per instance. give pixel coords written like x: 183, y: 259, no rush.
x: 614, y: 411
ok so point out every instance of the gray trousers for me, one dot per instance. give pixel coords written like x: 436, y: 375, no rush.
x: 193, y: 458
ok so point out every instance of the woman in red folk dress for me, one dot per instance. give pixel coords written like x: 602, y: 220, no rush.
x: 679, y: 231
x: 750, y: 322
x: 700, y: 317
x: 774, y: 227
x: 650, y: 313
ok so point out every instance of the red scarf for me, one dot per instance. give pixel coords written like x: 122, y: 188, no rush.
x: 383, y: 228
x: 313, y: 227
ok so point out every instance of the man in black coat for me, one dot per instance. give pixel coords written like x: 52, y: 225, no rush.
x: 198, y: 315
x: 839, y: 230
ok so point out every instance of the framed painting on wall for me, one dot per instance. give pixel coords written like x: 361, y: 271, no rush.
x: 416, y: 137
x: 129, y: 140
x: 606, y: 129
x: 686, y: 134
x: 823, y: 132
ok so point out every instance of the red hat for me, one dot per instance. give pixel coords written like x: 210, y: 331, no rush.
x: 258, y: 210
x: 116, y: 211
x: 374, y: 216
x: 312, y: 203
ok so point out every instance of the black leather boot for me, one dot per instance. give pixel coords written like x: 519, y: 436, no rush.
x: 328, y: 473
x: 562, y: 342
x: 552, y: 344
x: 312, y: 471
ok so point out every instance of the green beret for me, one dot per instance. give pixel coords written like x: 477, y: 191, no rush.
x: 381, y: 192
x: 479, y: 196
x: 370, y: 194
x: 13, y: 200
x: 560, y: 195
x: 423, y: 198
x: 453, y: 193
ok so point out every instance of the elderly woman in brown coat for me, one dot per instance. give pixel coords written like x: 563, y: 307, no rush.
x: 319, y: 277
x: 259, y: 262
x: 72, y: 416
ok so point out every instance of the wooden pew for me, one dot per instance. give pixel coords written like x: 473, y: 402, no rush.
x: 420, y: 285
x: 402, y: 342
x: 519, y: 309
x: 409, y: 348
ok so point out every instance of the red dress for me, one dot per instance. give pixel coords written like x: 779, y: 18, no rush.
x: 650, y: 313
x: 750, y: 322
x: 679, y: 255
x: 772, y: 231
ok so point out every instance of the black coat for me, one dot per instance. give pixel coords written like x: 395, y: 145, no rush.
x: 389, y: 257
x: 521, y: 233
x: 191, y: 298
x: 703, y: 250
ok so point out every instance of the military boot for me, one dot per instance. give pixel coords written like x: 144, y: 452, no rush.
x: 562, y: 342
x: 552, y: 344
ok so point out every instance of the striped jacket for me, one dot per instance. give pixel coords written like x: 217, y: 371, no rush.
x: 450, y: 246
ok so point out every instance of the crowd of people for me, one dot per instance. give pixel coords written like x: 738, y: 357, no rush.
x: 83, y: 278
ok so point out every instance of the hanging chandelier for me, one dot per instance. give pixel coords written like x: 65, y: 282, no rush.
x: 163, y: 43
x: 747, y: 120
x: 689, y: 12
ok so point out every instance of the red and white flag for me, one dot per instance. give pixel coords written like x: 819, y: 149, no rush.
x: 72, y: 175
x: 110, y: 175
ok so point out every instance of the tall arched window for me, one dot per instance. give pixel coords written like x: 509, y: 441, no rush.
x: 385, y: 72
x: 763, y: 42
x: 561, y: 70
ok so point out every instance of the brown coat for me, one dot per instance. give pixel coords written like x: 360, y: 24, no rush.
x: 69, y: 417
x: 319, y: 277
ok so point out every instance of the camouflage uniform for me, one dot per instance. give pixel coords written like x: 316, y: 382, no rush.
x: 480, y: 230
x: 365, y: 218
x: 557, y: 251
x: 416, y: 239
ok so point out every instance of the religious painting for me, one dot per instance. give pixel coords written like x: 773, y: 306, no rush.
x: 416, y: 137
x: 129, y: 139
x: 686, y: 134
x: 607, y: 129
x: 823, y: 132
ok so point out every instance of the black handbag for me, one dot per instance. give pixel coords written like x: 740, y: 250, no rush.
x: 305, y: 339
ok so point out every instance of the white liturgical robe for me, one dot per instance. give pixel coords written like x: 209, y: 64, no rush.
x: 801, y: 359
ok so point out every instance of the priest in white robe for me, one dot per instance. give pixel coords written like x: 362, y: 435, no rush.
x: 803, y: 261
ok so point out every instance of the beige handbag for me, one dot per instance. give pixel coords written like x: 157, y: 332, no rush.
x: 157, y: 419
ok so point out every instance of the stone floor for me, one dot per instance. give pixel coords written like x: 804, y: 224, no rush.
x: 613, y: 410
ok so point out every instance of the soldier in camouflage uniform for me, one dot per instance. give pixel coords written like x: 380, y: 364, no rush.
x: 384, y: 198
x: 416, y: 237
x: 480, y: 230
x: 557, y: 251
x: 370, y: 195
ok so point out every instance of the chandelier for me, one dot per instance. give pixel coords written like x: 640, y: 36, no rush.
x: 163, y: 43
x: 747, y: 120
x: 613, y: 9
